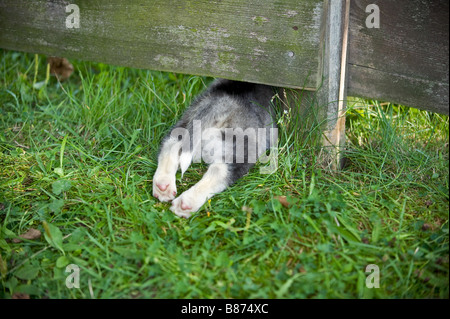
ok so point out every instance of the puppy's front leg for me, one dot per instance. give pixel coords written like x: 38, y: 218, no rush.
x: 215, y: 180
x: 164, y: 187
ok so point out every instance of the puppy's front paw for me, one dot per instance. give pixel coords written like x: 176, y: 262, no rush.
x: 164, y: 187
x: 187, y: 203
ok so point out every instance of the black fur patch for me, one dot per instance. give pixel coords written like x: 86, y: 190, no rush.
x: 237, y: 170
x: 235, y: 88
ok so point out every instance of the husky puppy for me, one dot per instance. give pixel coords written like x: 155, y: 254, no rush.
x: 213, y: 129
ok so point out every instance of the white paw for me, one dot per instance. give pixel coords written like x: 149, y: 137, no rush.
x: 187, y: 203
x: 164, y: 187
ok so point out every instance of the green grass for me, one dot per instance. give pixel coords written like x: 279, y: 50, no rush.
x: 77, y: 160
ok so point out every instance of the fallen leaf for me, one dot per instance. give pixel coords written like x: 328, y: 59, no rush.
x: 283, y: 201
x: 60, y: 67
x: 19, y: 295
x: 31, y: 234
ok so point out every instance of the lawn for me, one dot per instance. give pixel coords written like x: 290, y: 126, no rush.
x: 76, y: 165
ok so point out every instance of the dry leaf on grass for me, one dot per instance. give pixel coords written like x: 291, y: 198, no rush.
x: 31, y: 234
x: 60, y: 67
x: 283, y: 201
x: 19, y: 295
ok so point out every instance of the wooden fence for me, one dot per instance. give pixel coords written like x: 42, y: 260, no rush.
x: 388, y: 50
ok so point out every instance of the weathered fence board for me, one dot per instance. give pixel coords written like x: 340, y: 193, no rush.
x: 274, y: 42
x: 405, y: 60
x: 280, y: 43
x: 332, y: 81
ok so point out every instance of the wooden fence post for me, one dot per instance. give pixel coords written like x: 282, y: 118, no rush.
x: 332, y: 77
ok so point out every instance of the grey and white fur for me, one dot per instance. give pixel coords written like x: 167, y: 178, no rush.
x: 224, y: 105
